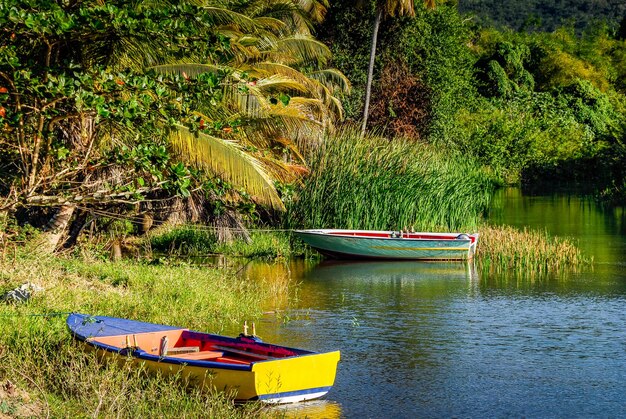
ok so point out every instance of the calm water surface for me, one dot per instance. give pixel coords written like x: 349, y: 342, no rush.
x: 441, y: 340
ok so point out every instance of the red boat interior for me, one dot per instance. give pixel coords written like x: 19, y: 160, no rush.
x: 186, y: 344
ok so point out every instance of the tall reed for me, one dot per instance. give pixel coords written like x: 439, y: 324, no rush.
x: 527, y: 252
x: 379, y: 183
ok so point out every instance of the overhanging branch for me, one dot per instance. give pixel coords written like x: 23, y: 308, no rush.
x: 97, y: 197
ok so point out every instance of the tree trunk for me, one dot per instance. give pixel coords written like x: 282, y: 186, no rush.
x: 75, y: 229
x: 146, y: 222
x: 116, y: 250
x: 49, y: 240
x: 370, y: 71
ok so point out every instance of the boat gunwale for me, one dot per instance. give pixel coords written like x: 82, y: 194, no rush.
x: 141, y: 354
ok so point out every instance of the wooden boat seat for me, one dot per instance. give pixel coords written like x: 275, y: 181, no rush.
x: 244, y: 353
x: 182, y: 350
x: 202, y: 355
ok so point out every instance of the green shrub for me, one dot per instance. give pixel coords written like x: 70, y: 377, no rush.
x: 184, y: 240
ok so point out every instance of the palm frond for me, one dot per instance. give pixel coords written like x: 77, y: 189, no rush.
x: 319, y: 84
x: 298, y: 49
x: 188, y: 69
x: 395, y: 8
x: 336, y: 106
x: 286, y: 172
x: 292, y: 147
x: 271, y: 24
x: 229, y: 161
x: 252, y: 105
x: 316, y: 10
x: 279, y: 82
x: 298, y: 19
x: 332, y: 78
x: 284, y: 121
x: 225, y: 17
x: 129, y: 52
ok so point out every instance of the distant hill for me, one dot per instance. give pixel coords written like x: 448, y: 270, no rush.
x: 544, y: 15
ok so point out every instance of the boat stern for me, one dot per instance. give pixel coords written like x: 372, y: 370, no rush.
x: 295, y: 379
x: 473, y: 245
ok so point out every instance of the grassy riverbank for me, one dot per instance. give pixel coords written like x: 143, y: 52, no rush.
x: 44, y: 373
x: 500, y: 249
x: 197, y: 240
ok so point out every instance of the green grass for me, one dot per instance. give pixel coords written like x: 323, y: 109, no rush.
x: 52, y: 376
x: 262, y: 245
x: 389, y: 184
x: 49, y: 375
x: 196, y: 240
x: 183, y: 240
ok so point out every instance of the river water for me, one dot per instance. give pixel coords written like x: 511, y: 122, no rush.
x: 443, y: 340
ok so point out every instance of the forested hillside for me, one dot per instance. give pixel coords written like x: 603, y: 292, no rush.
x: 544, y: 15
x: 531, y: 105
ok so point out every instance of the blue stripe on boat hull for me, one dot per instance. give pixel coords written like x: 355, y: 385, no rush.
x: 341, y: 255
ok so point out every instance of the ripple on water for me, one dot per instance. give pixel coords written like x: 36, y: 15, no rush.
x: 446, y: 349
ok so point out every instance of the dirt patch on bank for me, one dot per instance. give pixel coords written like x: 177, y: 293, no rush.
x: 17, y: 403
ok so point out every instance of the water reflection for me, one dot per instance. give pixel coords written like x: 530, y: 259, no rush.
x: 331, y: 285
x: 440, y: 339
x: 385, y: 317
x: 403, y: 271
x: 315, y: 409
x: 599, y: 231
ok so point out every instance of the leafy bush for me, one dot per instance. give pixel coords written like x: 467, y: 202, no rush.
x: 184, y: 240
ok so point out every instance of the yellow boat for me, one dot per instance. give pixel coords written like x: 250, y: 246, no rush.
x: 246, y: 366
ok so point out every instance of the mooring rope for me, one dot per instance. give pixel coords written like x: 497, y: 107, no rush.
x: 53, y: 314
x: 138, y: 220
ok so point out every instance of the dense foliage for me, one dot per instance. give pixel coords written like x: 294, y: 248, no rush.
x: 119, y: 102
x: 103, y: 105
x: 545, y: 15
x: 550, y: 103
x: 531, y: 106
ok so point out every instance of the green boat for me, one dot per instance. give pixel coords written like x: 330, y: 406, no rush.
x: 393, y: 245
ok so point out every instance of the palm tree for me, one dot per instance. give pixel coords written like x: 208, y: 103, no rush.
x: 268, y: 42
x: 384, y: 8
x: 269, y: 52
x: 280, y: 106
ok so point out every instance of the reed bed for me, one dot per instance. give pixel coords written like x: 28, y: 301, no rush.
x: 43, y: 373
x: 388, y: 184
x: 526, y: 252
